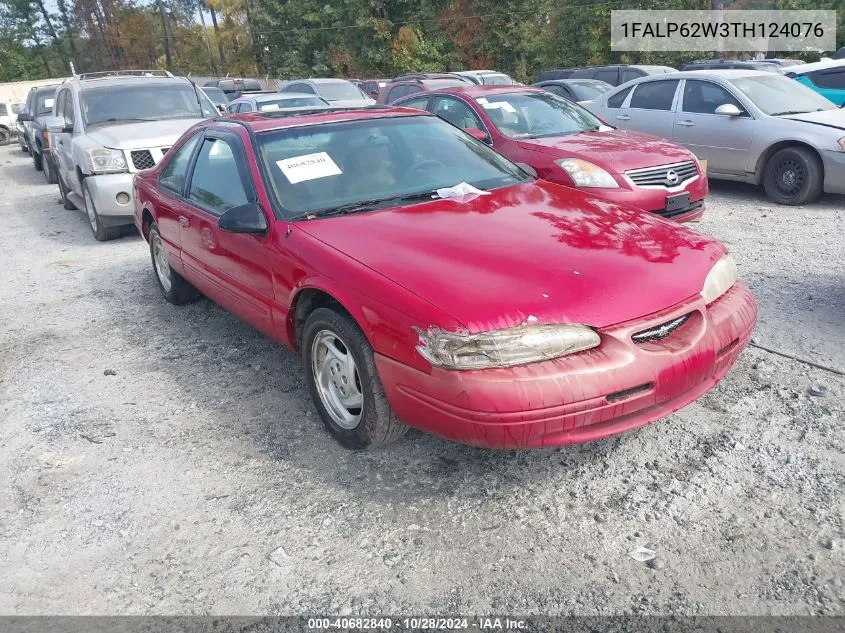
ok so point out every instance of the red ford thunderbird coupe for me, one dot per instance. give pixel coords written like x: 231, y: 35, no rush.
x: 427, y: 281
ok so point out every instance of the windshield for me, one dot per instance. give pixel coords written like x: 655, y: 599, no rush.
x: 776, y: 95
x: 318, y: 167
x: 339, y: 90
x: 44, y: 103
x: 585, y: 91
x: 534, y: 115
x: 298, y: 102
x: 142, y: 102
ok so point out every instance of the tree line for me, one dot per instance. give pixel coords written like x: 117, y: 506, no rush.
x: 353, y: 38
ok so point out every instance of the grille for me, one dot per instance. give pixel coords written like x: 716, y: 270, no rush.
x: 142, y: 159
x: 663, y: 175
x: 661, y: 331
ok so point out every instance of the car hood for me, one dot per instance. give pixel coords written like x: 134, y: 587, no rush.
x: 140, y: 135
x: 619, y: 150
x: 829, y: 118
x: 535, y: 252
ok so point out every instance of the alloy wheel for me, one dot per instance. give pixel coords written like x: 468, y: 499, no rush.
x: 337, y: 379
x: 160, y: 262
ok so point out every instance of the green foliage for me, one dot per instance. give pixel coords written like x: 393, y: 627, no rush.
x: 359, y: 38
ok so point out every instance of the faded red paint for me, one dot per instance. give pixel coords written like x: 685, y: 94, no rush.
x: 537, y: 249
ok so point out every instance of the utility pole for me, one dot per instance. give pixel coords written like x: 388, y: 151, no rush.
x: 207, y: 40
x: 161, y: 11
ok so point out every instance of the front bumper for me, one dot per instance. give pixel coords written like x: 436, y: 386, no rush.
x: 653, y: 199
x: 104, y: 190
x: 611, y: 389
x: 834, y: 171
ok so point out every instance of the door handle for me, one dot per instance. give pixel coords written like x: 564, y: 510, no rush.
x: 623, y: 117
x: 686, y: 123
x: 185, y: 222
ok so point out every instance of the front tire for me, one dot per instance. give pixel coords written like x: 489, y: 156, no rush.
x: 174, y: 288
x: 340, y: 369
x: 66, y: 202
x: 37, y: 161
x: 793, y: 176
x: 5, y: 137
x: 49, y: 172
x: 101, y: 233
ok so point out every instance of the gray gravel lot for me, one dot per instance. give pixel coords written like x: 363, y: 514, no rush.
x: 197, y: 479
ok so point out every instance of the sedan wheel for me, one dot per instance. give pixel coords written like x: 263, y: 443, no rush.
x: 173, y: 286
x: 793, y: 176
x: 338, y: 382
x: 345, y: 386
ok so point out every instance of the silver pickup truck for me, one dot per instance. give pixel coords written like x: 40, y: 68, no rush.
x: 113, y: 125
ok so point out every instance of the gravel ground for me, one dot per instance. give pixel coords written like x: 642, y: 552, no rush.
x: 168, y: 460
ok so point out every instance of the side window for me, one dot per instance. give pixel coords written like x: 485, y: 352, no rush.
x: 60, y: 104
x: 654, y: 95
x: 216, y: 183
x: 68, y: 107
x: 628, y: 74
x: 618, y: 99
x: 245, y: 107
x: 173, y: 175
x: 234, y: 108
x: 703, y: 97
x: 610, y: 75
x: 300, y: 88
x: 456, y: 112
x: 420, y: 103
x: 829, y: 78
x: 3, y: 111
x: 397, y: 92
x: 557, y: 90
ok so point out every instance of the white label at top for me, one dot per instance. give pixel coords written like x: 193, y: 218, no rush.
x: 308, y: 167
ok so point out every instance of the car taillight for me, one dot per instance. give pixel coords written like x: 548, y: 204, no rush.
x: 45, y: 135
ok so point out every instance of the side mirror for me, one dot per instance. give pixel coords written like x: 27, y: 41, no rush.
x: 528, y: 169
x: 728, y: 109
x: 24, y: 117
x: 246, y: 218
x: 223, y: 110
x: 481, y: 135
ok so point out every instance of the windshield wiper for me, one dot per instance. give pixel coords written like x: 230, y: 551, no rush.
x: 365, y: 205
x: 787, y: 112
x: 119, y: 120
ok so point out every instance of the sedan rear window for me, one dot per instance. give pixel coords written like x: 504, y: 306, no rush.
x: 298, y: 102
x: 320, y: 167
x: 339, y: 91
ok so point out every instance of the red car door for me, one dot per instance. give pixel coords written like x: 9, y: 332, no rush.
x: 169, y: 204
x: 233, y: 269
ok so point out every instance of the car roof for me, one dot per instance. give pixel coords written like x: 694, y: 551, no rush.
x: 279, y: 120
x: 480, y: 91
x: 324, y: 80
x: 802, y: 69
x: 109, y: 81
x: 259, y: 97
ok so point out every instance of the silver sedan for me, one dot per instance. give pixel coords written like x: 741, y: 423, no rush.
x: 749, y: 126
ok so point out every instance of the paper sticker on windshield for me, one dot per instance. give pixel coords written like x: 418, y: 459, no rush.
x: 308, y: 167
x: 498, y: 105
x: 48, y: 103
x: 264, y: 107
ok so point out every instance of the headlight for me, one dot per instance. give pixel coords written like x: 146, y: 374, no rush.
x: 503, y: 348
x: 842, y: 143
x: 587, y: 174
x: 104, y: 160
x: 719, y: 280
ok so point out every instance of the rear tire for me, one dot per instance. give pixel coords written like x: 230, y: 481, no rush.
x: 174, y: 288
x: 5, y: 137
x: 36, y: 160
x: 101, y: 233
x: 793, y: 176
x: 335, y: 383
